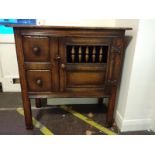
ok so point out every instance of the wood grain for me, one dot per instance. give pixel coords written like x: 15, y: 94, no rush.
x: 44, y: 71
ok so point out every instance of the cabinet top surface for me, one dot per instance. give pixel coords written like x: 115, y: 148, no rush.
x: 67, y: 27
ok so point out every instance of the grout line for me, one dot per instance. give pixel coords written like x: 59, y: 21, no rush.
x: 88, y: 120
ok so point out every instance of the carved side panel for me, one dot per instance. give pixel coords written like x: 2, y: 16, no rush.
x: 115, y: 61
x: 117, y: 45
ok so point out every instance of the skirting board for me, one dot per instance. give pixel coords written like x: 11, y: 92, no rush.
x: 132, y: 125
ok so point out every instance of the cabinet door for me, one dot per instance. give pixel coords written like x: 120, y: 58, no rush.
x: 83, y: 64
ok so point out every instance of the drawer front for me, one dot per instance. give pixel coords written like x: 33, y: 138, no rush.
x: 36, y: 49
x: 39, y: 80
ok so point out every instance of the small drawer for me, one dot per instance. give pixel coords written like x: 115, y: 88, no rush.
x: 39, y: 80
x: 36, y: 49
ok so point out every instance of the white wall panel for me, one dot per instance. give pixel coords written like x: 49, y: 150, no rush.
x: 8, y: 64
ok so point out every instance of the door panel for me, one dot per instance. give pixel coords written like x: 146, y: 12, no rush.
x: 83, y: 63
x: 85, y: 79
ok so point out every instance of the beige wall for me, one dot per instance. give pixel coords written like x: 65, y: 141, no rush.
x: 127, y: 69
x: 153, y: 118
x: 81, y: 22
x: 136, y: 98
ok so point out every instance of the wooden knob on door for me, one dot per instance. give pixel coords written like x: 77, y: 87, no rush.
x: 36, y: 50
x: 63, y: 66
x: 58, y: 58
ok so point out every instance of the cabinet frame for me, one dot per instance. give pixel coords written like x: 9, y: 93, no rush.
x: 58, y: 38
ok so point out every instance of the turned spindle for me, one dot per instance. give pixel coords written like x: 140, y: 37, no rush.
x: 100, y: 54
x: 87, y: 54
x: 94, y: 54
x: 73, y: 54
x: 80, y: 54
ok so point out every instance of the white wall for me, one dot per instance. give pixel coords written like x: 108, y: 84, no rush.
x: 142, y: 86
x: 8, y: 63
x: 153, y: 119
x: 127, y: 68
x: 104, y: 23
x: 136, y: 98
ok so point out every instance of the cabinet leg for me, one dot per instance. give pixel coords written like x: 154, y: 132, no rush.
x: 38, y: 102
x: 100, y: 101
x: 41, y: 102
x: 27, y: 113
x: 111, y: 106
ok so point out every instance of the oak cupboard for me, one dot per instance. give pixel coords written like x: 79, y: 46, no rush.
x: 64, y: 61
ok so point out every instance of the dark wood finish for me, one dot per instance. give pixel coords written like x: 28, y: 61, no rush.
x: 100, y: 101
x: 36, y: 49
x: 39, y: 80
x: 81, y: 75
x: 1, y: 87
x: 23, y: 81
x: 111, y: 106
x: 37, y: 66
x: 38, y: 102
x: 85, y: 79
x: 79, y: 92
x: 54, y: 54
x: 68, y: 27
x: 69, y: 62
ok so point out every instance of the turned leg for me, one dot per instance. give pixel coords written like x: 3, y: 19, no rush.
x: 38, y: 102
x: 27, y: 113
x: 111, y: 106
x: 41, y: 102
x: 100, y: 101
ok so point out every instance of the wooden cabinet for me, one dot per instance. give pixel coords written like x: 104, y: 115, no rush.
x: 69, y: 62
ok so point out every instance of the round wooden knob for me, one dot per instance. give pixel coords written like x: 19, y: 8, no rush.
x: 58, y: 58
x: 39, y: 82
x: 63, y: 66
x: 36, y: 50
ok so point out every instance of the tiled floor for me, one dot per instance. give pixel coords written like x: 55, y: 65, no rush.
x: 54, y: 118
